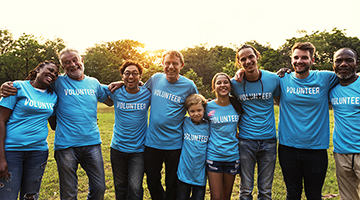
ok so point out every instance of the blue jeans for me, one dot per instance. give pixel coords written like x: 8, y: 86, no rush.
x: 128, y: 172
x: 90, y: 159
x: 298, y: 164
x: 262, y: 152
x: 184, y: 190
x: 154, y: 159
x: 26, y: 169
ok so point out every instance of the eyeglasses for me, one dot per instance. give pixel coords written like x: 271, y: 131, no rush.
x: 262, y: 89
x: 134, y: 74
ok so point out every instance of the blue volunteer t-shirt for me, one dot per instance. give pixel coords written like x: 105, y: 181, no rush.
x: 304, y: 110
x: 345, y: 101
x: 27, y: 128
x: 167, y: 111
x: 257, y: 99
x: 76, y: 113
x: 131, y: 116
x: 191, y: 169
x: 223, y: 145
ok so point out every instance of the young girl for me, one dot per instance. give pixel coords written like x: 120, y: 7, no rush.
x: 191, y: 169
x: 222, y: 162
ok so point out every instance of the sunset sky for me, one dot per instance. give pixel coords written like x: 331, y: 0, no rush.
x: 161, y: 24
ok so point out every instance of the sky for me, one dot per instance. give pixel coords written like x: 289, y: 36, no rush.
x: 167, y: 24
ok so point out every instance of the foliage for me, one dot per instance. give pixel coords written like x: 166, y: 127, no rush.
x: 18, y: 57
x: 204, y: 90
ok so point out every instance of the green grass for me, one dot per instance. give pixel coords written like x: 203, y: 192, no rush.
x: 50, y: 183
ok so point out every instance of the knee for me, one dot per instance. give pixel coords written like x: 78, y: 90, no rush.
x: 31, y: 196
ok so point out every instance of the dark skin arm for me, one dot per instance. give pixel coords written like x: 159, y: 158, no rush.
x: 4, y: 117
x: 52, y: 122
x: 108, y: 102
x: 7, y: 89
x: 277, y: 100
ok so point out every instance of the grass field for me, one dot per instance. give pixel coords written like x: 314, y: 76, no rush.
x: 50, y: 183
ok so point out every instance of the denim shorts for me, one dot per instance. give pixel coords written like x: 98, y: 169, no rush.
x: 231, y: 168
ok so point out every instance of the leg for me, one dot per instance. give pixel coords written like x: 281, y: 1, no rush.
x: 183, y: 191
x: 198, y: 192
x: 171, y: 165
x: 67, y: 164
x: 248, y: 151
x: 92, y: 162
x: 314, y: 167
x: 153, y: 166
x: 348, y: 182
x: 266, y: 166
x: 216, y: 185
x: 292, y: 171
x: 10, y: 187
x: 136, y: 175
x: 228, y: 186
x: 119, y: 164
x: 33, y: 170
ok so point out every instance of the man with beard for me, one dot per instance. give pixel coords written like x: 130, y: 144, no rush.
x: 345, y: 100
x: 77, y: 136
x: 304, y: 124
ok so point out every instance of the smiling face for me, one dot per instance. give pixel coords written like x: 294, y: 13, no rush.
x: 73, y: 65
x: 46, y: 75
x: 172, y: 66
x: 247, y: 59
x: 345, y: 64
x: 196, y: 112
x: 221, y: 85
x: 131, y: 78
x: 301, y: 61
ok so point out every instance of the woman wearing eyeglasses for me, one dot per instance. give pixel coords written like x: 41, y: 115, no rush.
x: 131, y: 104
x: 222, y: 162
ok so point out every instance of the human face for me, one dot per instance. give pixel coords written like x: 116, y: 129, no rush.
x: 222, y: 86
x: 301, y: 61
x: 131, y: 78
x: 46, y: 75
x: 345, y: 64
x: 172, y: 66
x: 248, y: 60
x: 73, y: 65
x: 196, y: 112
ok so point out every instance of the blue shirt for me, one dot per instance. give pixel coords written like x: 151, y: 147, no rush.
x: 304, y: 110
x: 191, y: 169
x: 345, y: 101
x: 167, y: 111
x: 223, y: 145
x: 27, y: 128
x: 131, y: 117
x: 76, y: 113
x: 257, y: 99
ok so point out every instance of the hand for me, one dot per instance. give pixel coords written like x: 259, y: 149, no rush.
x: 239, y: 75
x: 7, y: 89
x: 115, y: 85
x: 282, y: 71
x: 4, y: 173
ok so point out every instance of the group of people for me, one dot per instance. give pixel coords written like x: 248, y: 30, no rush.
x: 218, y: 139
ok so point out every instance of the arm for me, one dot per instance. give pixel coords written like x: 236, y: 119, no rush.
x: 239, y: 75
x: 108, y: 102
x: 7, y: 89
x: 282, y: 71
x: 277, y: 100
x: 115, y: 85
x: 4, y: 117
x: 52, y: 122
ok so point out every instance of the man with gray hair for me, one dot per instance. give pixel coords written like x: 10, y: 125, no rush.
x: 345, y: 100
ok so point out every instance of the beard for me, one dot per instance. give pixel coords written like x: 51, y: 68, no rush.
x: 306, y: 68
x: 346, y: 76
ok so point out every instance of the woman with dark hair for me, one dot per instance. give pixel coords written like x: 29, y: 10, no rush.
x: 223, y: 162
x: 23, y: 133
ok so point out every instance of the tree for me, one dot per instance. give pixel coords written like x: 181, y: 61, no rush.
x: 204, y: 90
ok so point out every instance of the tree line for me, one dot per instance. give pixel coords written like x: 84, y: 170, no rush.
x: 19, y: 56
